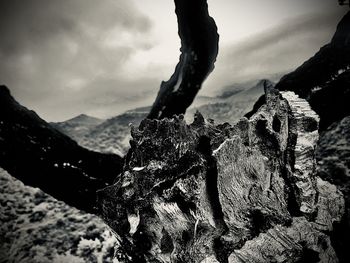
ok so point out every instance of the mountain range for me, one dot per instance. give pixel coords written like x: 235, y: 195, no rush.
x: 113, y: 135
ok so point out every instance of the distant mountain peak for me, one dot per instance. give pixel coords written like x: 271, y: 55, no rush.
x: 83, y: 116
x: 82, y: 119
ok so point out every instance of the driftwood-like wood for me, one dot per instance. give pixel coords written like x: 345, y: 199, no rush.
x: 220, y: 193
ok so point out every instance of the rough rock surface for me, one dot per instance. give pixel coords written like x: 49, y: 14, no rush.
x: 219, y: 193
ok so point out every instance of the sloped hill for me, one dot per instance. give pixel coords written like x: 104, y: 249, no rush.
x: 333, y: 165
x: 36, y: 228
x: 324, y: 79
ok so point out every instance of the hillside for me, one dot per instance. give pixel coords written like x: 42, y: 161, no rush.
x: 48, y: 158
x: 36, y: 228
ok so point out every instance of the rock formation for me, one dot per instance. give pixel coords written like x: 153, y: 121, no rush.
x: 40, y: 156
x: 220, y: 193
x: 199, y: 48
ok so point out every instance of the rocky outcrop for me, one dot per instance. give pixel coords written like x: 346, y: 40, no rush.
x: 220, y: 193
x: 199, y: 49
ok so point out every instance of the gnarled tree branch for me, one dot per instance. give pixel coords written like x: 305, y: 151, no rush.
x: 199, y: 49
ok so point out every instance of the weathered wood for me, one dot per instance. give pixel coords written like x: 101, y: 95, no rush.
x: 219, y: 193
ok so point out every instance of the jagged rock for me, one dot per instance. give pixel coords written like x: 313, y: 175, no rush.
x: 302, y: 241
x: 251, y: 195
x: 220, y: 193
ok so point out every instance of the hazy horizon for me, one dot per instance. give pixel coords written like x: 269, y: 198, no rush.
x: 102, y: 58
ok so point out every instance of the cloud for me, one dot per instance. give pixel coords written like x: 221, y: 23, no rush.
x: 56, y: 55
x: 275, y: 51
x: 35, y: 21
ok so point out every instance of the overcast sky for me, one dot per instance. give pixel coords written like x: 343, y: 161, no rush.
x: 66, y: 57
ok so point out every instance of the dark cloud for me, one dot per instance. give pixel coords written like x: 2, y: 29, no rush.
x: 28, y: 24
